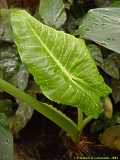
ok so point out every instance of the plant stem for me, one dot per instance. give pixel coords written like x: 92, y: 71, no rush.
x: 84, y: 123
x: 47, y: 110
x: 80, y: 118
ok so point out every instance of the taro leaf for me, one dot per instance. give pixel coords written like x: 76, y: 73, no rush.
x: 110, y: 67
x: 96, y: 54
x: 60, y: 64
x: 6, y: 140
x: 102, y: 26
x: 5, y: 30
x: 52, y: 12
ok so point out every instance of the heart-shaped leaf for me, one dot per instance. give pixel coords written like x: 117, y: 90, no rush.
x: 60, y: 64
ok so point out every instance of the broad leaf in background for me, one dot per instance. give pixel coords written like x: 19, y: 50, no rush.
x: 24, y: 112
x: 21, y: 117
x: 96, y: 54
x: 110, y: 67
x: 60, y: 64
x: 102, y: 26
x: 6, y: 106
x: 8, y: 61
x: 52, y: 12
x: 6, y: 139
x: 11, y: 68
x: 22, y: 77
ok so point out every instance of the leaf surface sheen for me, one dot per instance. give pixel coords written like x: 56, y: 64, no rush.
x: 60, y: 64
x: 102, y: 25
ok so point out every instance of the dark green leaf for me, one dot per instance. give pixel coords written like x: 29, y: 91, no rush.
x: 52, y: 12
x: 21, y: 117
x: 6, y: 106
x: 102, y: 26
x: 6, y: 140
x: 110, y: 67
x: 96, y: 54
x: 8, y: 61
x: 115, y: 85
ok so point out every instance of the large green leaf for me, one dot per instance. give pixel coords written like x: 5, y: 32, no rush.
x: 52, y: 12
x: 60, y: 64
x: 102, y: 25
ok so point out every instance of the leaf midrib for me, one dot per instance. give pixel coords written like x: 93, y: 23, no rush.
x: 69, y: 76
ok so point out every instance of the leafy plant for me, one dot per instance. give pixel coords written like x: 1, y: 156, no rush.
x: 60, y: 71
